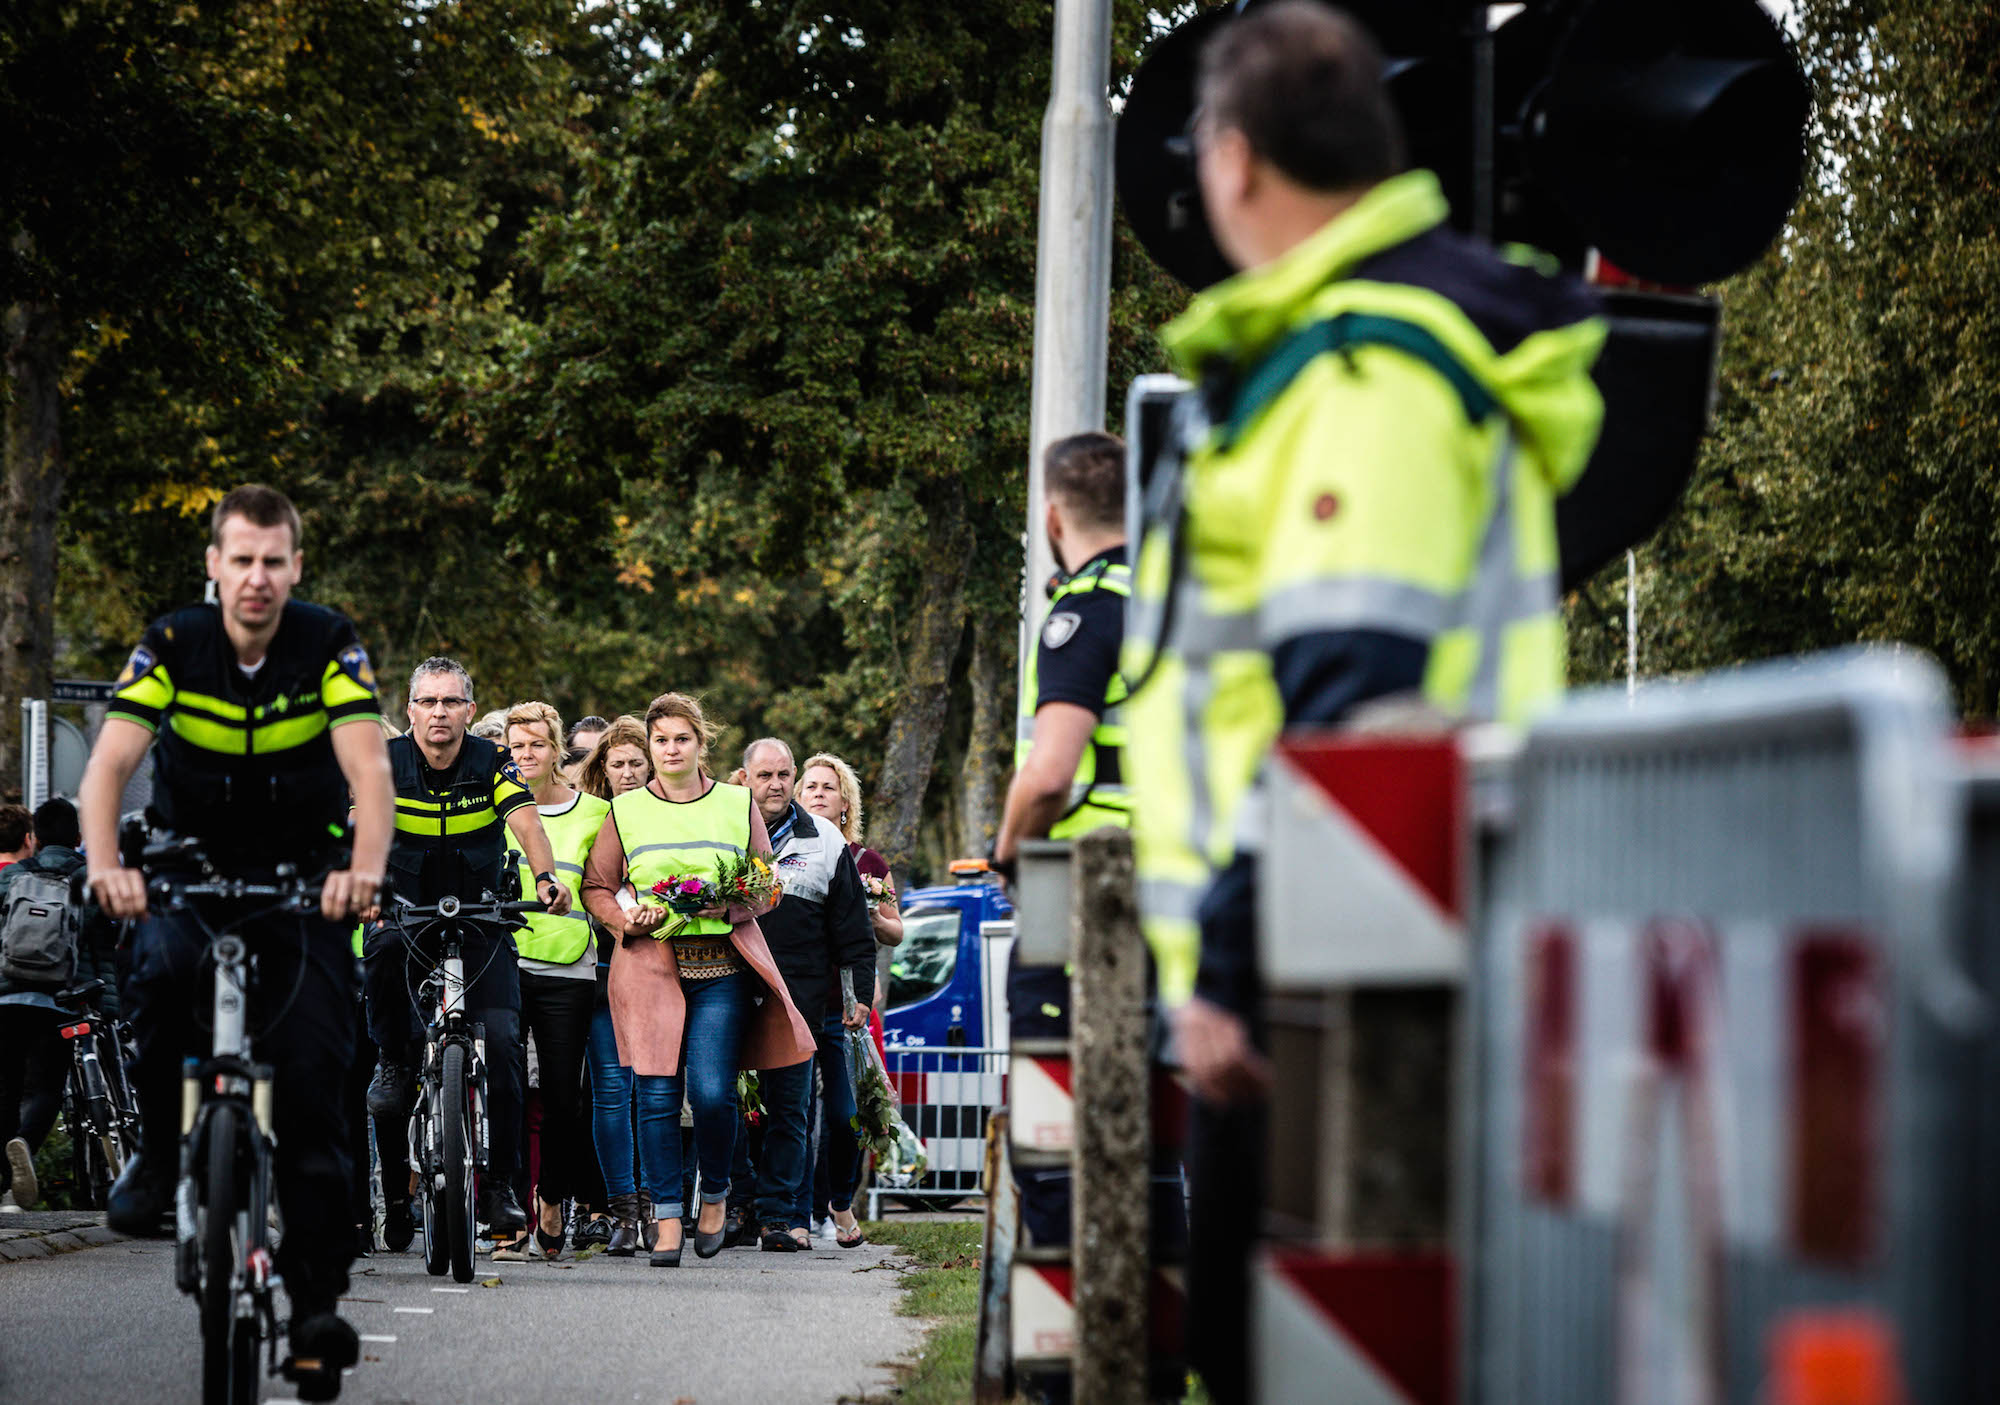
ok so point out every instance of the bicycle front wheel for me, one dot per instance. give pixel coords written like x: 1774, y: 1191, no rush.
x: 228, y: 1342
x: 460, y: 1184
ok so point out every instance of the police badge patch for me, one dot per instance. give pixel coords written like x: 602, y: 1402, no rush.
x: 354, y: 663
x: 138, y: 666
x: 1060, y: 629
x: 508, y: 771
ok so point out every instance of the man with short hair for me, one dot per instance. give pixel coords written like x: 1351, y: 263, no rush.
x: 1389, y: 411
x: 458, y: 797
x: 261, y: 716
x: 820, y: 929
x: 17, y: 835
x: 33, y: 1062
x: 1069, y: 752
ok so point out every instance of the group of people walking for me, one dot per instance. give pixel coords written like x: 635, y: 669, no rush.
x: 645, y: 1021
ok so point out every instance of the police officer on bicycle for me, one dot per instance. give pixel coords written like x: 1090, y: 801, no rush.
x: 246, y: 704
x: 457, y: 798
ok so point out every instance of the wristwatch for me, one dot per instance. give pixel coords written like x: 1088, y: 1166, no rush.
x: 542, y: 878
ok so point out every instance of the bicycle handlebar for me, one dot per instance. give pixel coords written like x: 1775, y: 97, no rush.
x: 453, y: 909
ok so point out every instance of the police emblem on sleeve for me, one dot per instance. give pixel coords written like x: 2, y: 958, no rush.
x: 138, y: 666
x: 509, y: 771
x: 354, y: 663
x: 1060, y: 629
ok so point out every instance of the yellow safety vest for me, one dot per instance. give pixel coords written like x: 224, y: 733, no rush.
x: 666, y: 839
x: 562, y: 940
x: 1093, y: 804
x: 1380, y: 466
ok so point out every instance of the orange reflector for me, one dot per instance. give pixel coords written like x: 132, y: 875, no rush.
x: 1835, y: 1358
x: 75, y: 1031
x: 969, y: 866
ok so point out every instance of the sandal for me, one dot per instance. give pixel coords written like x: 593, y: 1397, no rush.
x: 845, y: 1239
x: 551, y: 1244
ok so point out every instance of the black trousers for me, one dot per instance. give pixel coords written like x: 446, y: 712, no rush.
x: 34, y: 1064
x: 357, y: 1115
x: 557, y: 1010
x: 302, y: 1024
x: 1225, y: 1166
x: 390, y: 975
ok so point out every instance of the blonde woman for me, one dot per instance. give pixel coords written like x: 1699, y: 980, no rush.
x: 829, y: 788
x: 617, y: 762
x: 711, y: 998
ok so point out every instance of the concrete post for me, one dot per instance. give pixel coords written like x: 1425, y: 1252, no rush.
x: 1072, y: 268
x: 1113, y: 1162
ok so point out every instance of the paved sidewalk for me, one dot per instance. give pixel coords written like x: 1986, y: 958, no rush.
x: 39, y: 1234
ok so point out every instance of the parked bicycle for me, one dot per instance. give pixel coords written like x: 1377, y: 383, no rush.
x: 448, y: 1125
x: 223, y: 1204
x: 99, y: 1107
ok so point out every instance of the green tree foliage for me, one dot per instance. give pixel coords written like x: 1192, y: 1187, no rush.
x: 1849, y: 491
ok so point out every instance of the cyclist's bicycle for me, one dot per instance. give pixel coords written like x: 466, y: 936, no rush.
x: 448, y: 1125
x: 99, y: 1108
x: 223, y: 1204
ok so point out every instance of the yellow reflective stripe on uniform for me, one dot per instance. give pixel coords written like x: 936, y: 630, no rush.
x: 218, y: 737
x: 293, y: 731
x: 221, y: 707
x: 337, y: 689
x: 155, y: 690
x: 453, y: 824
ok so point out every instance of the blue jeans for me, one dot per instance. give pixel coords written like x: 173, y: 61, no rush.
x: 710, y: 1036
x: 839, y: 1150
x: 610, y: 1106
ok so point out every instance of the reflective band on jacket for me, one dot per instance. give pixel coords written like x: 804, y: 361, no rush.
x: 666, y: 839
x: 1092, y: 805
x: 562, y: 940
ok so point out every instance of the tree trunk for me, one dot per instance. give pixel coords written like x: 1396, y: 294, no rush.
x: 936, y: 628
x: 989, y: 752
x: 33, y: 492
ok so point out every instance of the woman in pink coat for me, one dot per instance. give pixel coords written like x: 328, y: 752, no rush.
x: 690, y: 1012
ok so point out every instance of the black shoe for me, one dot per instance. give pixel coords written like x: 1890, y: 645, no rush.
x: 778, y: 1241
x: 737, y: 1227
x: 364, y: 1241
x: 502, y: 1213
x: 139, y: 1201
x: 399, y: 1226
x: 670, y: 1258
x: 322, y: 1347
x: 592, y: 1231
x: 392, y: 1092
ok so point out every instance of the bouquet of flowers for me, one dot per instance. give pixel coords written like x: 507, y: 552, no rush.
x: 900, y: 1155
x: 880, y: 890
x: 749, y: 880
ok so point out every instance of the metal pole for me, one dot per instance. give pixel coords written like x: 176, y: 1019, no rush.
x: 1631, y: 625
x: 1072, y: 269
x: 34, y: 751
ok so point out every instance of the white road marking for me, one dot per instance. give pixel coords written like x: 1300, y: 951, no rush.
x: 426, y: 1311
x: 451, y: 1290
x: 367, y: 1338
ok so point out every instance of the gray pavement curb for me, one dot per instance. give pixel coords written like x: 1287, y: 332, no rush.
x: 60, y: 1241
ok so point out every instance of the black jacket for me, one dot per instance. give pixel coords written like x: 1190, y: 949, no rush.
x: 821, y: 924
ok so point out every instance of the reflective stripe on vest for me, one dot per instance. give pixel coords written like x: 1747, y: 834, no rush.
x: 1091, y: 805
x: 682, y: 839
x: 563, y: 940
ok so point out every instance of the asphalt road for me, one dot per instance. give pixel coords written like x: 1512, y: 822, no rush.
x: 106, y: 1324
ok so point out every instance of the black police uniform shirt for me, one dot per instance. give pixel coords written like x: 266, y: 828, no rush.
x: 1078, y: 650
x: 451, y: 835
x: 243, y: 759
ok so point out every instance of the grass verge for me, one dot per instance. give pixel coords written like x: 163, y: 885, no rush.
x: 944, y: 1289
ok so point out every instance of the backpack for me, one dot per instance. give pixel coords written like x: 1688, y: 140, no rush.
x: 38, y: 930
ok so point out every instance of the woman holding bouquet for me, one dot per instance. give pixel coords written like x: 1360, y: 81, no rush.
x: 829, y: 788
x: 682, y: 985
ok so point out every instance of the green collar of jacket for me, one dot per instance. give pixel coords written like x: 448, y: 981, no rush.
x: 1240, y: 316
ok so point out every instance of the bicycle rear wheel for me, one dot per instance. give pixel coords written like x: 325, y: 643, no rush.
x: 455, y: 1119
x: 228, y: 1342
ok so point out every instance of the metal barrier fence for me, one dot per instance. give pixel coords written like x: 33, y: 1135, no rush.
x: 1728, y: 1089
x: 944, y: 1094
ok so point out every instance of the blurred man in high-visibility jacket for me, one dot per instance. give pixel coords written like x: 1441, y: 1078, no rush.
x: 1388, y: 411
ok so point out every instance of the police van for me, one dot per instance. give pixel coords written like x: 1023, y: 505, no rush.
x: 944, y: 1023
